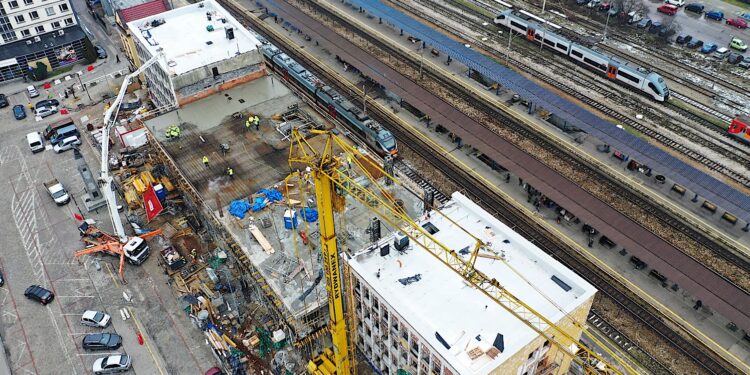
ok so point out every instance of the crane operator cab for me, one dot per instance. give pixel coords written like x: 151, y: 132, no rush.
x: 136, y: 250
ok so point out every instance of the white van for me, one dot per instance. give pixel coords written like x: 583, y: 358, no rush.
x: 36, y: 144
x: 66, y: 144
x: 33, y: 93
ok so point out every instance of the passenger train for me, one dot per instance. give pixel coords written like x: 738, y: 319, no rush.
x: 377, y: 137
x: 639, y: 79
x: 740, y: 128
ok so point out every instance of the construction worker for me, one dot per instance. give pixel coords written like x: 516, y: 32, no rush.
x: 194, y: 255
x: 230, y: 172
x: 256, y: 120
x: 205, y: 160
x: 247, y: 123
x: 31, y: 106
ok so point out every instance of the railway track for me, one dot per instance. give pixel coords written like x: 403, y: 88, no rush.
x: 509, y: 214
x: 718, y: 249
x: 724, y: 146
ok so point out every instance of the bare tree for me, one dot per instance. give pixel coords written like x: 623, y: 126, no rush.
x: 627, y: 6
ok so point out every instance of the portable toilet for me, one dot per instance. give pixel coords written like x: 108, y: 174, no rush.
x: 160, y: 191
x: 290, y: 219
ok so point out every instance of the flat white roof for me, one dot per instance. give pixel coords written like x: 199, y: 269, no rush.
x: 184, y: 35
x: 441, y: 302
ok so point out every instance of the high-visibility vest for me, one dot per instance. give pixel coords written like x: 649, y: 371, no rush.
x: 205, y: 160
x: 230, y: 171
x: 247, y: 123
x: 256, y: 119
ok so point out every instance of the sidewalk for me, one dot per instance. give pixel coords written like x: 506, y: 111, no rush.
x: 4, y: 366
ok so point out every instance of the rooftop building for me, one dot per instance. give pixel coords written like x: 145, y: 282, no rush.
x: 205, y: 51
x: 134, y: 13
x: 414, y: 312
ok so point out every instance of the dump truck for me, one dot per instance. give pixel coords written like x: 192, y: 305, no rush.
x: 57, y: 192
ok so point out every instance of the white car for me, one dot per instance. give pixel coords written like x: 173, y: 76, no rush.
x: 46, y: 111
x: 66, y: 144
x: 112, y: 364
x: 93, y: 318
x: 33, y: 93
x: 678, y: 3
x: 593, y: 3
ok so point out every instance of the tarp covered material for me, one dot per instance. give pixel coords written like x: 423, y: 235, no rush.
x: 309, y: 215
x: 239, y: 207
x: 264, y: 197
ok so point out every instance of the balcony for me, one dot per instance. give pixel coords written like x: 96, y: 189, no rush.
x: 547, y: 369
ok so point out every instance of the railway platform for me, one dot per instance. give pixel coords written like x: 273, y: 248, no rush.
x: 710, y: 328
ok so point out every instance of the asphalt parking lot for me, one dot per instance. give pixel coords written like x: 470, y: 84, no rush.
x: 38, y: 241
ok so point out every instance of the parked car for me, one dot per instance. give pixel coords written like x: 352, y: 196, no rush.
x: 214, y: 371
x: 666, y: 32
x: 101, y: 53
x: 66, y: 144
x: 716, y: 15
x: 605, y: 6
x: 745, y: 16
x: 645, y: 23
x: 708, y: 48
x: 668, y: 9
x: 634, y: 17
x: 102, y: 341
x: 735, y: 58
x: 582, y: 2
x: 19, y: 112
x: 3, y: 101
x: 737, y: 22
x: 593, y: 3
x: 695, y: 7
x: 2, y: 279
x: 39, y: 294
x: 655, y: 27
x: 613, y: 10
x: 738, y: 44
x: 47, y: 103
x: 678, y: 3
x: 112, y: 364
x: 97, y: 319
x: 32, y: 91
x: 46, y: 111
x: 695, y: 43
x: 683, y: 39
x: 721, y: 53
x: 745, y: 63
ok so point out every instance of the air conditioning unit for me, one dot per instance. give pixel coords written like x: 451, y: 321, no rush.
x: 28, y: 41
x: 37, y: 39
x: 61, y: 32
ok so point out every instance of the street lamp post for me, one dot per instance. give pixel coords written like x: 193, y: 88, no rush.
x: 606, y: 24
x: 84, y: 87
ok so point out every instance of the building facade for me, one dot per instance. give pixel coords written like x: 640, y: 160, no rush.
x: 134, y: 13
x: 34, y: 31
x: 204, y: 50
x: 415, y: 314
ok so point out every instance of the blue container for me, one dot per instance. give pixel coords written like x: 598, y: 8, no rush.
x: 160, y: 191
x: 290, y: 219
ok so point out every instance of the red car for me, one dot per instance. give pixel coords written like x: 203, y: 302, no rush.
x: 668, y: 9
x: 737, y: 22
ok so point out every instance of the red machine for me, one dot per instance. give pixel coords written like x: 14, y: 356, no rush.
x: 740, y: 128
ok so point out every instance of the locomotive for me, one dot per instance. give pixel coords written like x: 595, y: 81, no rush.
x: 374, y: 134
x: 740, y: 128
x: 636, y: 78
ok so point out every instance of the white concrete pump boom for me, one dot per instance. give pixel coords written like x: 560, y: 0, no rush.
x: 104, y: 178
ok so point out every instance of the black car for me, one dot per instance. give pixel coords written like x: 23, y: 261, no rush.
x: 101, y: 52
x: 39, y: 294
x: 695, y: 8
x: 48, y: 103
x: 734, y: 58
x: 695, y: 43
x: 2, y: 279
x: 683, y: 39
x: 102, y: 341
x: 3, y: 101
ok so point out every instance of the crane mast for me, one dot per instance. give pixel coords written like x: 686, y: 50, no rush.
x: 105, y: 180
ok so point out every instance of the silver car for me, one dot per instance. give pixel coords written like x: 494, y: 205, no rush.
x: 46, y: 111
x: 97, y: 319
x: 112, y: 364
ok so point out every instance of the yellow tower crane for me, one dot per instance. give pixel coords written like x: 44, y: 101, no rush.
x: 325, y: 167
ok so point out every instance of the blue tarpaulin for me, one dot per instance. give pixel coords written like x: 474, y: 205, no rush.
x: 239, y: 207
x: 309, y: 215
x: 264, y: 197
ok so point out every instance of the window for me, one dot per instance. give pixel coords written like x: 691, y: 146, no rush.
x: 9, y: 36
x: 68, y: 21
x: 33, y: 15
x: 55, y: 25
x: 28, y: 2
x: 25, y: 32
x: 594, y: 63
x: 628, y: 76
x: 20, y: 19
x: 50, y: 11
x: 518, y: 25
x: 13, y: 4
x: 576, y: 54
x: 39, y: 29
x: 562, y: 47
x: 549, y: 42
x: 63, y: 7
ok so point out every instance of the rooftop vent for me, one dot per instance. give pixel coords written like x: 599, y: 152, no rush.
x: 208, y: 16
x: 171, y: 63
x: 209, y: 43
x: 229, y: 33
